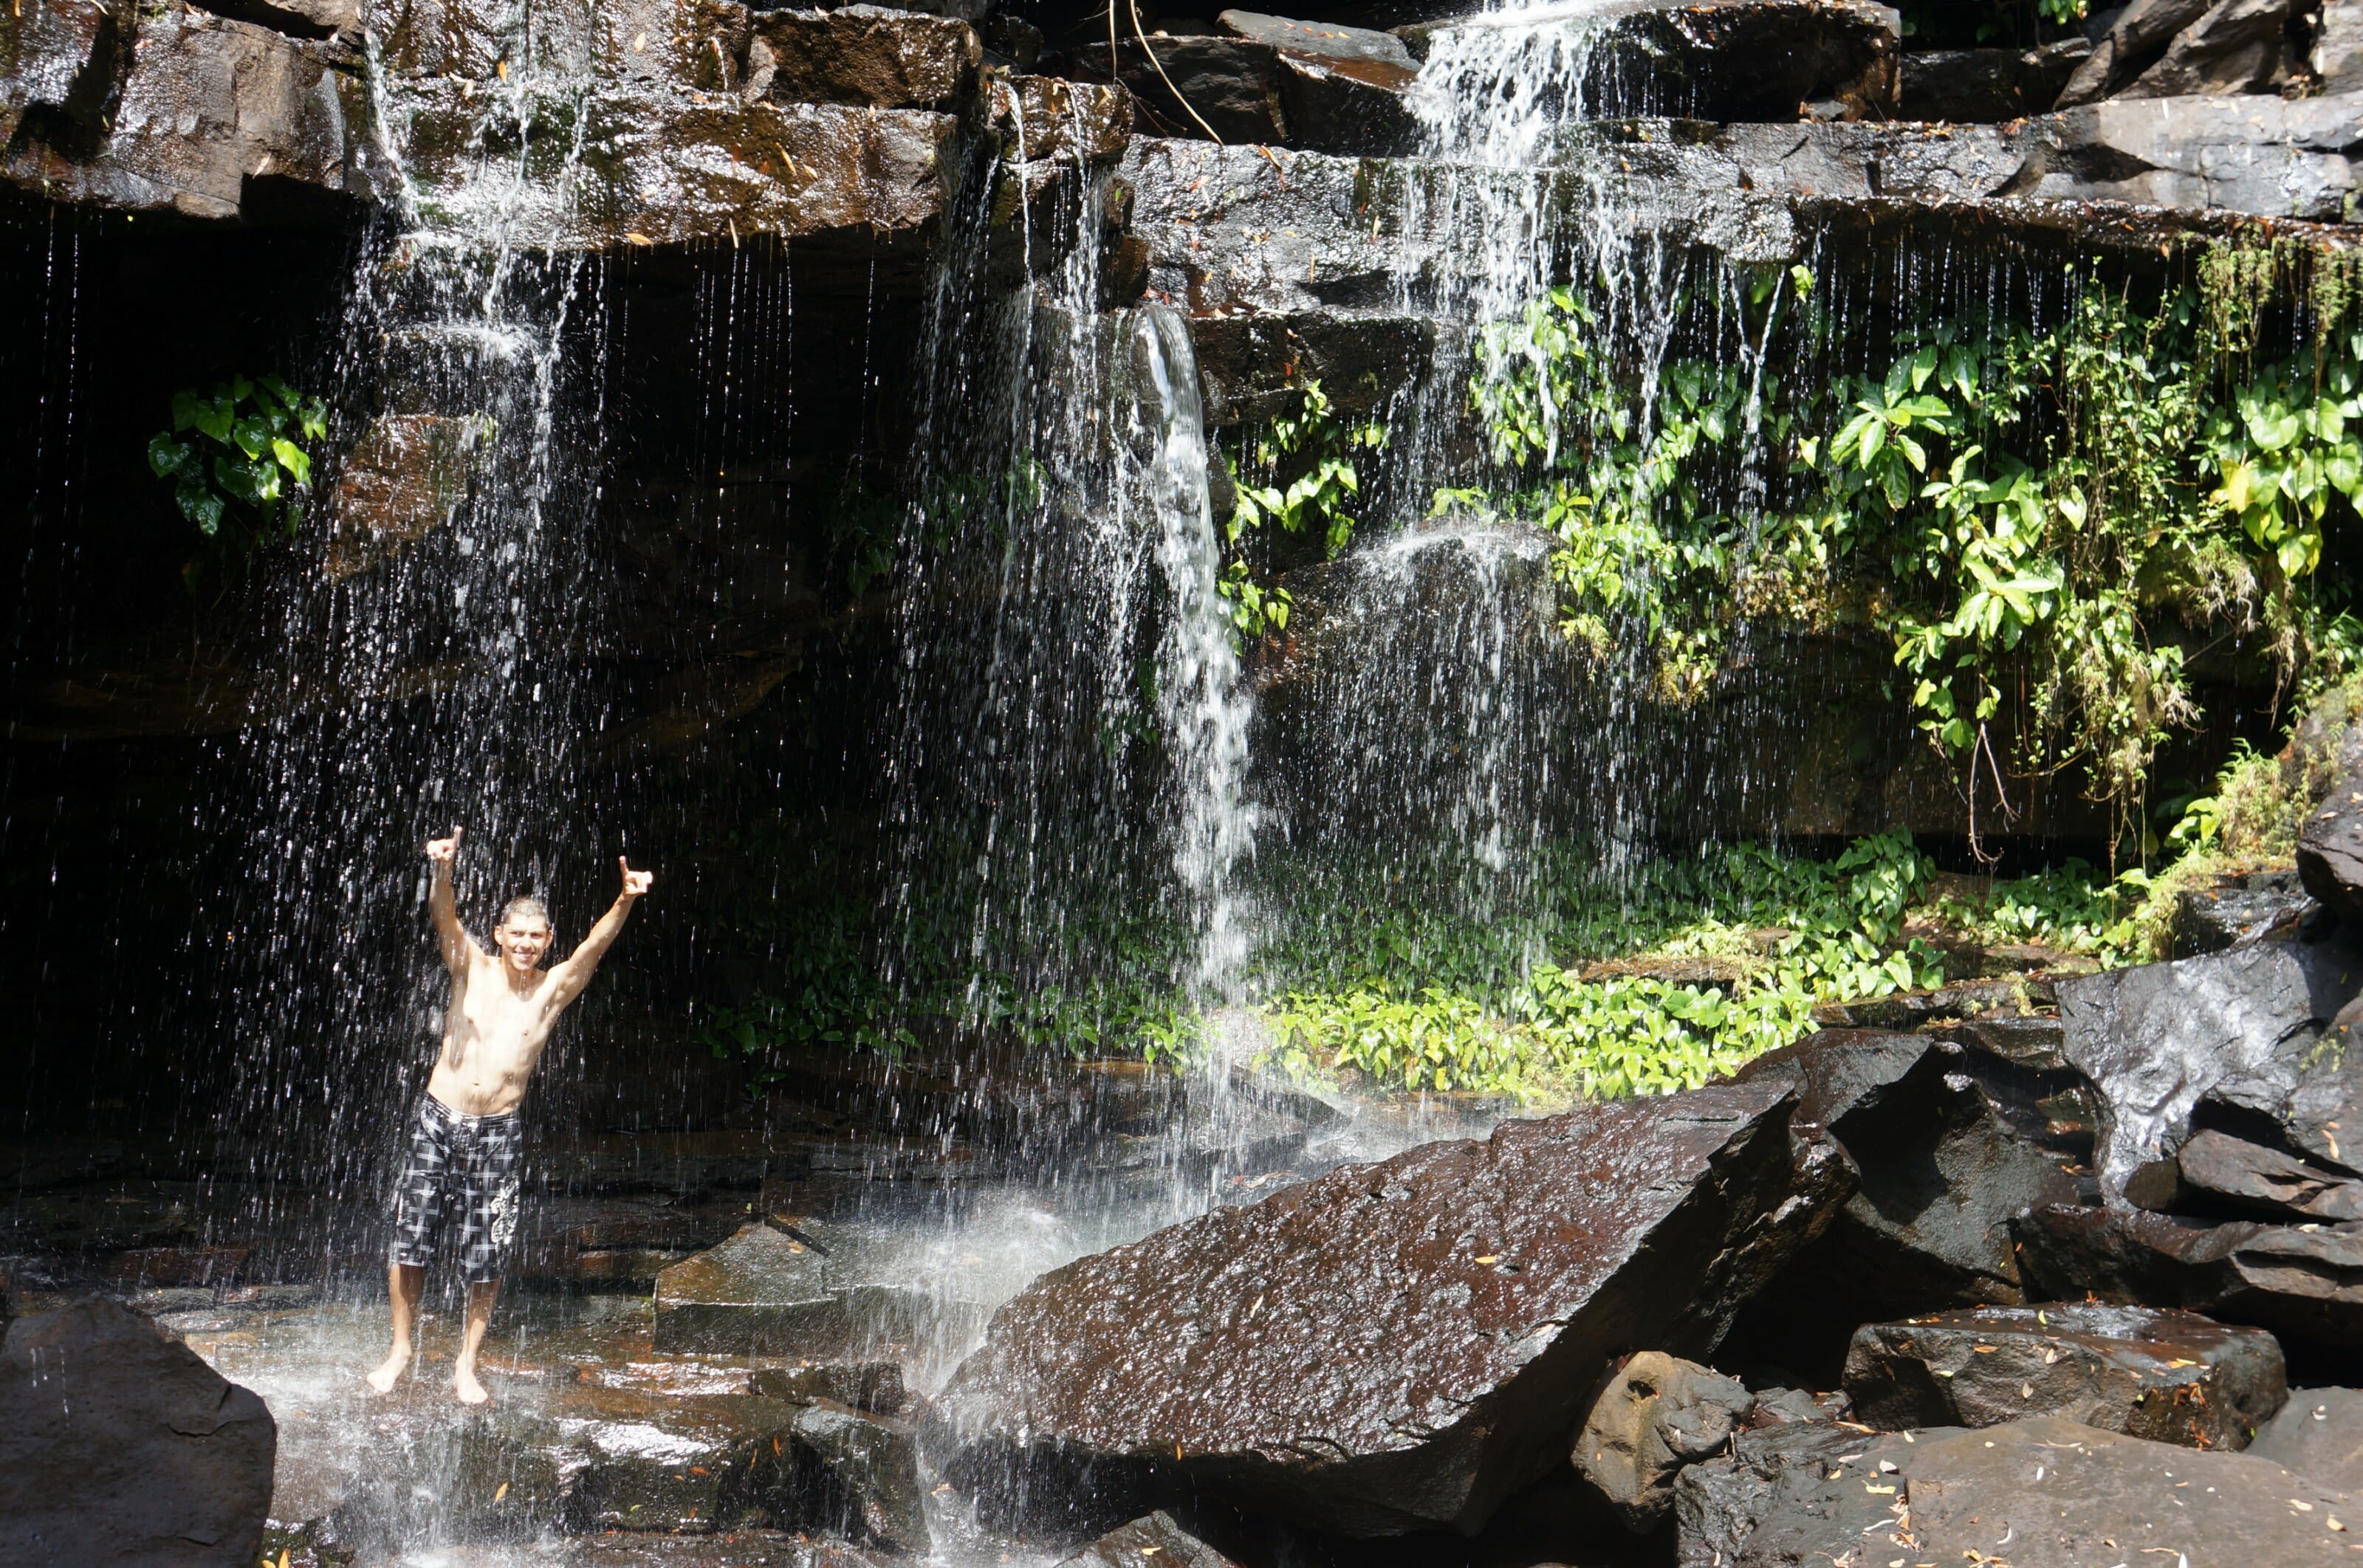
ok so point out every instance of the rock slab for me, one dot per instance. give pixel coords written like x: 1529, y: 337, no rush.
x: 1399, y: 1346
x: 2318, y: 1435
x: 2303, y: 1282
x: 2047, y: 1493
x: 2169, y: 1376
x: 118, y: 1445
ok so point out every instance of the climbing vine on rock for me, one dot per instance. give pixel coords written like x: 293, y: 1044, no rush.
x: 2043, y: 519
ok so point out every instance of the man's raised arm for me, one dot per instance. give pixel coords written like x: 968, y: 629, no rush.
x: 443, y: 905
x: 569, y: 977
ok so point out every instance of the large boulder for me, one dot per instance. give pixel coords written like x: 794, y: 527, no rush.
x: 2319, y: 1435
x: 1398, y: 1345
x: 2261, y: 154
x: 64, y: 58
x: 119, y: 1446
x: 1657, y: 1414
x: 2303, y: 1282
x: 2169, y: 1376
x: 2233, y: 1033
x: 810, y: 1290
x: 853, y: 1473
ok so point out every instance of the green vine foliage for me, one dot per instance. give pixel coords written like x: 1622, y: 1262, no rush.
x: 2049, y: 514
x: 237, y: 460
x: 1297, y: 476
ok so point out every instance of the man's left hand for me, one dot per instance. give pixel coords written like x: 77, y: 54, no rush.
x: 635, y: 882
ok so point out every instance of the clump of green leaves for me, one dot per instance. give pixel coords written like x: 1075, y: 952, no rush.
x: 1298, y: 477
x: 2051, y: 513
x: 237, y: 460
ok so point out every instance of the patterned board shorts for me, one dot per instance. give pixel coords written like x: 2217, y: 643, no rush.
x: 464, y: 1164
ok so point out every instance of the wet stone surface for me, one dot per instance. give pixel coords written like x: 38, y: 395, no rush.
x: 1484, y: 1284
x: 2169, y: 1376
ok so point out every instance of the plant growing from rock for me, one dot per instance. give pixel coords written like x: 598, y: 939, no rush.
x: 1297, y: 476
x: 237, y: 460
x: 2042, y: 520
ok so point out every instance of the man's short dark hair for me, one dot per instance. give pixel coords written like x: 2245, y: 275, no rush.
x: 524, y: 903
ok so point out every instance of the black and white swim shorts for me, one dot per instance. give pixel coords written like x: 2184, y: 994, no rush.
x: 465, y: 1167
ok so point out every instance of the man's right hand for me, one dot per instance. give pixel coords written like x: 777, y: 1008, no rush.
x: 444, y: 851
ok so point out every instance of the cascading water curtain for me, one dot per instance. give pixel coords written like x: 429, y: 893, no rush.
x: 1067, y: 778
x: 430, y: 666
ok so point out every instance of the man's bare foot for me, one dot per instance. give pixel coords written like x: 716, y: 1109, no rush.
x: 464, y: 1384
x: 383, y: 1379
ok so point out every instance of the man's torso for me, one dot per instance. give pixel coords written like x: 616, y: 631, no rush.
x: 492, y: 1036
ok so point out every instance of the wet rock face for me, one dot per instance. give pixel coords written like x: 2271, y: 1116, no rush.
x: 2213, y: 919
x: 2066, y: 1496
x: 1403, y: 1344
x: 405, y: 478
x: 862, y: 54
x: 2169, y: 1376
x: 1657, y: 1414
x: 1154, y: 1540
x: 63, y: 58
x: 2232, y: 1034
x: 201, y: 107
x: 2330, y: 849
x: 118, y: 1445
x: 872, y: 1386
x: 1247, y: 91
x: 2318, y: 1435
x: 2305, y: 1283
x: 1986, y: 85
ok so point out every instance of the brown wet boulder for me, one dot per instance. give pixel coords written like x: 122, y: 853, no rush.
x: 118, y: 1445
x: 2305, y: 1283
x: 2318, y: 1435
x: 872, y: 1386
x: 1657, y: 1414
x: 1398, y: 1345
x: 64, y: 58
x: 2169, y: 1376
x: 2048, y: 1493
x: 862, y: 54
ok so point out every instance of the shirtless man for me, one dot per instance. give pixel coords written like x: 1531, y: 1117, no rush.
x: 465, y: 1147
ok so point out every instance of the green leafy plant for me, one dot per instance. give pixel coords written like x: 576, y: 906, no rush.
x: 1296, y: 476
x: 2045, y: 519
x: 237, y: 460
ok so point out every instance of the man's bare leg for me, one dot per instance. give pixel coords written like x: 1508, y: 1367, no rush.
x: 403, y: 1284
x: 480, y: 1317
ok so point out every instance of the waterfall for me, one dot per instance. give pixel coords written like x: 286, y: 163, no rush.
x: 430, y: 666
x: 1207, y: 709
